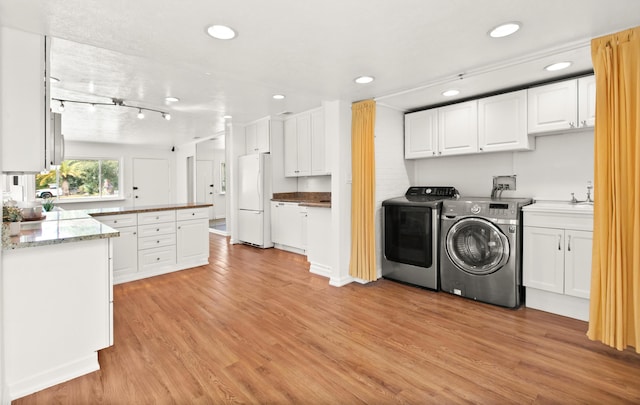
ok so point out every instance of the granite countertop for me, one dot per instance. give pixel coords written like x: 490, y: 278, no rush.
x: 96, y: 212
x: 55, y: 230
x: 76, y: 225
x: 305, y: 199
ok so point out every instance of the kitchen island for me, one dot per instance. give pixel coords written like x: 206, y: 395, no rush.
x: 57, y: 293
x: 57, y: 283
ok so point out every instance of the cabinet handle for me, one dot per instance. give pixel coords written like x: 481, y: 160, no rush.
x: 439, y: 153
x: 433, y: 153
x: 157, y: 241
x: 559, y: 242
x: 115, y: 221
x: 135, y: 233
x: 158, y: 230
x: 572, y: 124
x: 481, y: 149
x: 569, y: 244
x: 584, y: 123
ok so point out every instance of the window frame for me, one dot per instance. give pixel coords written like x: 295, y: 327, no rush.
x: 101, y: 198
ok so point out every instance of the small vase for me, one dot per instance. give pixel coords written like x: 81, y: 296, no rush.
x: 14, y: 228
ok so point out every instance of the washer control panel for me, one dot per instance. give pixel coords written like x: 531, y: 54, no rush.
x: 488, y: 209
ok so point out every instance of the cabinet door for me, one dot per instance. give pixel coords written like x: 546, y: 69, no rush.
x: 543, y: 259
x: 319, y: 164
x: 553, y: 107
x: 125, y: 251
x: 458, y: 128
x: 290, y: 148
x: 275, y: 222
x: 250, y: 138
x: 577, y: 267
x: 192, y: 240
x: 303, y: 126
x: 421, y: 134
x: 502, y: 122
x: 24, y: 117
x: 290, y: 225
x: 587, y: 101
x: 263, y: 135
x: 304, y: 220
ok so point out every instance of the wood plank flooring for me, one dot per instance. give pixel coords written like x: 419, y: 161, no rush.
x: 254, y: 326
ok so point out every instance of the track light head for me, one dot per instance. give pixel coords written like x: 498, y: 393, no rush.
x: 166, y: 116
x: 140, y: 113
x: 61, y: 107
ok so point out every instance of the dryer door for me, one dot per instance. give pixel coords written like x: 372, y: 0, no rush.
x: 477, y: 246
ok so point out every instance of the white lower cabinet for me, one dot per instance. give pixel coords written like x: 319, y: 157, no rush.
x: 557, y: 262
x: 158, y: 242
x: 288, y: 227
x: 192, y: 238
x: 125, y: 247
x: 319, y: 253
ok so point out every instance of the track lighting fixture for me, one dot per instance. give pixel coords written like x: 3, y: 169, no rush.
x: 114, y: 102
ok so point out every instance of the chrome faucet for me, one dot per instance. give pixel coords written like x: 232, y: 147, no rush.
x: 589, y: 188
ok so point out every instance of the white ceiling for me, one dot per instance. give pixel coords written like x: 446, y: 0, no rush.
x: 144, y: 50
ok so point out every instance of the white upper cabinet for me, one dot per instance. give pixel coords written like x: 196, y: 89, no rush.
x: 587, y: 101
x: 458, y: 128
x: 502, y: 123
x: 421, y: 134
x: 257, y: 136
x: 24, y: 96
x: 569, y: 104
x: 305, y: 145
x: 319, y: 159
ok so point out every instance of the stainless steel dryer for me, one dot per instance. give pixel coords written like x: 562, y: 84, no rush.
x: 481, y: 249
x: 411, y: 237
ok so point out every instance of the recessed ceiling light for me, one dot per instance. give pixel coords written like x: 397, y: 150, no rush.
x: 504, y: 30
x: 557, y: 66
x: 278, y: 96
x: 54, y: 79
x: 171, y: 99
x: 221, y: 32
x: 451, y: 93
x: 227, y: 117
x: 364, y: 79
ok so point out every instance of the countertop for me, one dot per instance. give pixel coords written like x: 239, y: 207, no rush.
x: 96, y: 212
x: 559, y: 207
x: 305, y: 199
x: 76, y: 225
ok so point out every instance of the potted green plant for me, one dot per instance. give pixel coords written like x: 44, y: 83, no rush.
x: 11, y: 216
x: 47, y: 204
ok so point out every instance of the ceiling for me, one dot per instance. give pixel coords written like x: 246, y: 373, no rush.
x: 142, y: 51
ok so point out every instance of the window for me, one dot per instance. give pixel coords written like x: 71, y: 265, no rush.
x: 81, y: 179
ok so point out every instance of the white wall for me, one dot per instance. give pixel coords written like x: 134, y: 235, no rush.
x: 394, y: 174
x: 560, y: 164
x: 126, y: 153
x: 314, y: 184
x: 182, y: 153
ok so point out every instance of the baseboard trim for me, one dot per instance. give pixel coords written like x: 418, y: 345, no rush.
x: 125, y: 278
x: 320, y: 269
x: 49, y: 378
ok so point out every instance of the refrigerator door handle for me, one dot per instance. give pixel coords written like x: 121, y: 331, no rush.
x: 259, y: 185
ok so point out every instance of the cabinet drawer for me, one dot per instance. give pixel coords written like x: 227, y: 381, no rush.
x: 155, y: 241
x: 158, y: 257
x: 157, y: 229
x: 192, y: 213
x: 118, y: 221
x: 156, y: 217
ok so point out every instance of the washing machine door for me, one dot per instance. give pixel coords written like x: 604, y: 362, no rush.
x: 477, y: 246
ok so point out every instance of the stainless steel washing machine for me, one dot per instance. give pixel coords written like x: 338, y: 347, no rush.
x: 481, y: 249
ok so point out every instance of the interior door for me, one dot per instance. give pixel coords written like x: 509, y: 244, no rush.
x: 151, y: 182
x: 205, y: 185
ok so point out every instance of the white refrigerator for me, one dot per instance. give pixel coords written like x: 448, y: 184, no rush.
x: 254, y: 196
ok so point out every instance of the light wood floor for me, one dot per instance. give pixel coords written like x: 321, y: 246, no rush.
x: 255, y: 327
